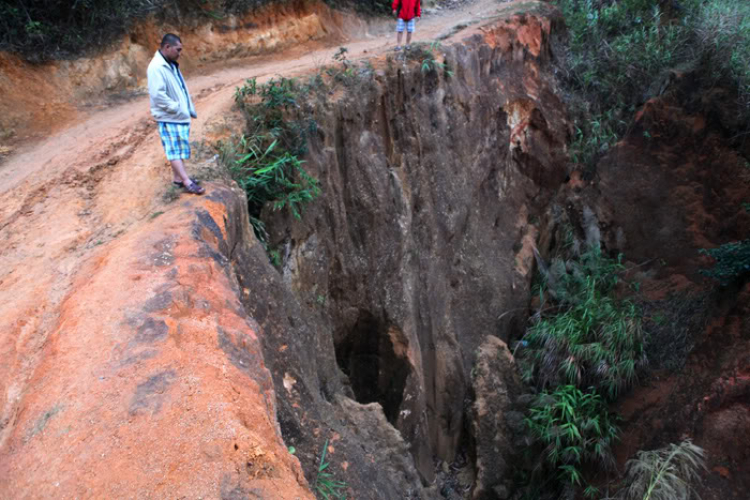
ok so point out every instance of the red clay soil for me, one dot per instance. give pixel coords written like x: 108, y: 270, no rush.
x: 683, y: 184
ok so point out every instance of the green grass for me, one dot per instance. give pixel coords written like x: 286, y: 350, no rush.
x: 326, y: 486
x: 575, y: 429
x: 589, y: 336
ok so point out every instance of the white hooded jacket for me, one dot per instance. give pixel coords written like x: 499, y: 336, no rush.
x: 170, y: 99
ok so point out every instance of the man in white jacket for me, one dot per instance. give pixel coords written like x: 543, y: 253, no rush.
x: 172, y: 108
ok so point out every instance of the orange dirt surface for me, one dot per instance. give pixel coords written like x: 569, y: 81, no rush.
x: 128, y: 367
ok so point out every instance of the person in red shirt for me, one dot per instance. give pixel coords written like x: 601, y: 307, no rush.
x: 407, y: 12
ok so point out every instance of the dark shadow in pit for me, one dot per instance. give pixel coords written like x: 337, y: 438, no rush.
x: 377, y: 369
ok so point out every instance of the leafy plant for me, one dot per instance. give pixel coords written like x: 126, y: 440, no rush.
x: 732, y: 261
x: 270, y: 176
x: 591, y: 337
x: 664, y: 474
x: 325, y: 485
x: 575, y: 428
x: 429, y: 62
x: 621, y: 53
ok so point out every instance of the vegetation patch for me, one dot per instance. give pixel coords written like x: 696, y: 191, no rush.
x: 731, y: 262
x: 623, y: 52
x: 576, y: 429
x: 584, y: 347
x: 50, y: 29
x: 664, y: 474
x: 267, y: 160
x: 589, y: 337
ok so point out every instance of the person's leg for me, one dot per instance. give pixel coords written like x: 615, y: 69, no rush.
x: 176, y: 141
x: 178, y: 172
x: 399, y: 32
x: 409, y: 31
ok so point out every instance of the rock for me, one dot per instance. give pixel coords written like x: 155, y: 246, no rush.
x: 494, y: 420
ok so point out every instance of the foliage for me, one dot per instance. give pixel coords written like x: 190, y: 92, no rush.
x: 325, y: 485
x: 621, y: 53
x: 732, y: 261
x: 265, y: 161
x: 590, y: 338
x: 674, y: 324
x: 427, y: 57
x: 576, y: 429
x: 664, y: 474
x: 272, y: 176
x: 723, y: 30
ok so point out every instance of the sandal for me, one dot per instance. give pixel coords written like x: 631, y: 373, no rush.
x: 193, y: 188
x: 180, y: 184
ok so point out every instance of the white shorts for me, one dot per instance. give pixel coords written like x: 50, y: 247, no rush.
x: 400, y: 23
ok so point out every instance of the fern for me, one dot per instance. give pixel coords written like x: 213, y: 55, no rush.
x: 664, y: 474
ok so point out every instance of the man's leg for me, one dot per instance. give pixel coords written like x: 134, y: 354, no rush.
x: 409, y: 31
x: 178, y: 172
x: 399, y: 34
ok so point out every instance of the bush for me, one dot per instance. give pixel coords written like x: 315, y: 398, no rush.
x: 267, y: 166
x: 44, y: 29
x: 620, y: 53
x: 53, y: 29
x: 664, y: 474
x: 576, y: 429
x: 723, y: 30
x: 271, y: 176
x: 732, y: 261
x: 590, y: 337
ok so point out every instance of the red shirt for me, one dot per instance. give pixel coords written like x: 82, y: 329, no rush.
x: 409, y: 9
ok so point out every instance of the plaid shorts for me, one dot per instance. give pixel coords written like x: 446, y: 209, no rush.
x: 400, y: 23
x: 175, y: 137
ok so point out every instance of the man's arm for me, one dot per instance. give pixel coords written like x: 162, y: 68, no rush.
x: 157, y: 89
x: 395, y: 6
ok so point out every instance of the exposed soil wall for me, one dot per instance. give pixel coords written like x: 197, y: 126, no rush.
x: 420, y: 240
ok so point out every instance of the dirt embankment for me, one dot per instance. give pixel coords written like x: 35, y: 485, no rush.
x: 39, y: 99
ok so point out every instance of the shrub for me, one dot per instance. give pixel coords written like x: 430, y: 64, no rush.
x: 723, y: 29
x: 265, y: 162
x: 664, y: 474
x: 732, y: 261
x: 576, y: 429
x: 590, y: 338
x: 270, y: 176
x: 620, y: 53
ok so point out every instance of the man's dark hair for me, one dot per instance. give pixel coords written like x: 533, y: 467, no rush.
x: 170, y: 39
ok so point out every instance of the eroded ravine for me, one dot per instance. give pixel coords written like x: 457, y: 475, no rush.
x: 155, y: 351
x: 117, y: 359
